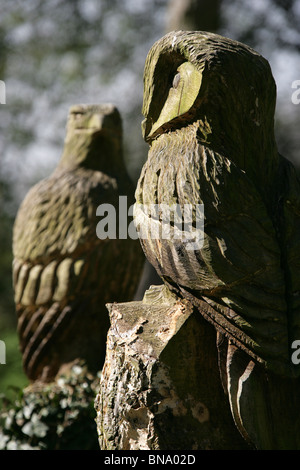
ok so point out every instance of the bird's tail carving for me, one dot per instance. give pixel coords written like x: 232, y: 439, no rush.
x: 264, y: 406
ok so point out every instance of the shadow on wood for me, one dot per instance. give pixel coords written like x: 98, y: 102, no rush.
x: 160, y: 387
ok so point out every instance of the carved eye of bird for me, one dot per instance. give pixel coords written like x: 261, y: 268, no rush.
x: 176, y: 80
x: 209, y: 120
x: 181, y: 96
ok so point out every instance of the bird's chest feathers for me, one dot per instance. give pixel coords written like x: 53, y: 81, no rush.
x: 172, y: 168
x: 180, y: 170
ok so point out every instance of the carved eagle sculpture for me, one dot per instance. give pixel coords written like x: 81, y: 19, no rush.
x: 63, y: 272
x: 209, y: 120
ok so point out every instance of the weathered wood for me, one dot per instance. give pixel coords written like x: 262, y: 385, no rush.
x: 243, y: 276
x: 265, y: 406
x: 160, y: 387
x: 64, y: 271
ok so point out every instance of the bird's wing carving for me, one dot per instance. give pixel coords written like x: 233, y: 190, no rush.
x: 237, y: 275
x: 242, y: 255
x: 57, y: 260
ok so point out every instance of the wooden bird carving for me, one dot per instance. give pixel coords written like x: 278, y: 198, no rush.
x: 63, y: 273
x: 209, y: 120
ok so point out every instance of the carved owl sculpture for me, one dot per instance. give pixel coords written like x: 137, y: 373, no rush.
x: 63, y: 273
x: 209, y: 120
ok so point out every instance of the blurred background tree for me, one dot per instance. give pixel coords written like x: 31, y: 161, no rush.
x: 55, y: 53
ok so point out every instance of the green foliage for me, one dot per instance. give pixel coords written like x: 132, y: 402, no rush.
x: 6, y: 291
x: 55, y: 416
x: 12, y: 375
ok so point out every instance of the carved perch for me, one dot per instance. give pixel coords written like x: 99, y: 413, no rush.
x: 160, y: 387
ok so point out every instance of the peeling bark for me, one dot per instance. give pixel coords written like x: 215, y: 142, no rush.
x: 160, y: 387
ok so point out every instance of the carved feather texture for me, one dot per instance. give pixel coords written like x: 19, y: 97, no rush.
x: 245, y: 278
x: 63, y: 273
x: 238, y: 269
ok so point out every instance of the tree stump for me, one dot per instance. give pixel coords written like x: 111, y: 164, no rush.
x: 160, y: 387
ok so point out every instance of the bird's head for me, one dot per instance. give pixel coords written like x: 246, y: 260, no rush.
x: 94, y: 137
x: 223, y: 85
